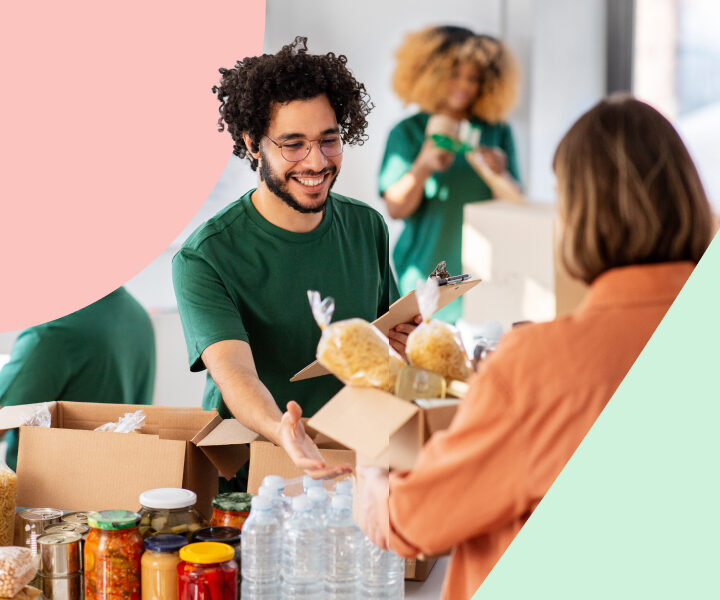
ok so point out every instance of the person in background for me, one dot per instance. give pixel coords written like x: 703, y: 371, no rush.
x: 104, y: 352
x: 241, y: 279
x: 634, y: 221
x: 454, y: 74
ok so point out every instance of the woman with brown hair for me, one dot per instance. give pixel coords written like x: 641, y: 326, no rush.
x: 453, y: 75
x: 634, y: 222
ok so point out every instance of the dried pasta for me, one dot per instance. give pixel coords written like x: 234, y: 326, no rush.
x: 358, y: 354
x: 8, y: 487
x: 437, y: 347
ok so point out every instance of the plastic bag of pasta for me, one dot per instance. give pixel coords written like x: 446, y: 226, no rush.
x: 354, y: 350
x: 434, y: 345
x: 8, y: 488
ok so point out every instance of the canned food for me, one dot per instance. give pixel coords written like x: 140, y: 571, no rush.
x: 32, y: 522
x: 60, y: 588
x: 59, y: 554
x: 82, y: 530
x: 79, y: 518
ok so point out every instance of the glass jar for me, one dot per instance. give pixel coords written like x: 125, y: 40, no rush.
x: 224, y: 535
x: 231, y: 509
x: 159, y: 566
x: 207, y: 571
x: 169, y: 510
x: 112, y: 556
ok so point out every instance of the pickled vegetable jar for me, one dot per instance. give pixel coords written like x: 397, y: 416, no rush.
x: 112, y: 556
x: 207, y: 571
x: 169, y: 510
x: 231, y: 509
x: 159, y: 566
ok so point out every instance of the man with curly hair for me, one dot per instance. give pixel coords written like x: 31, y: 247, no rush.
x: 241, y: 279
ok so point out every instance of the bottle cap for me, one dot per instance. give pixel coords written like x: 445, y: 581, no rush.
x: 342, y: 502
x: 301, y: 503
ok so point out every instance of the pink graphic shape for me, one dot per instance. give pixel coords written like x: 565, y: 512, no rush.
x: 109, y: 142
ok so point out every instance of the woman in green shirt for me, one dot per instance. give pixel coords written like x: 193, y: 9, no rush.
x: 453, y: 75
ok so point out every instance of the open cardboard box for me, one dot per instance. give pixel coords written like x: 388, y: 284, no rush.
x: 71, y: 467
x: 385, y: 431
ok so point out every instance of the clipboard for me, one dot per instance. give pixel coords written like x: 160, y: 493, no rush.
x: 401, y: 311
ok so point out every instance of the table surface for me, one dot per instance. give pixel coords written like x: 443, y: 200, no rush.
x: 430, y: 588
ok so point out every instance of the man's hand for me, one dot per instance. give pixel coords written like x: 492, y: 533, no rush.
x: 398, y: 335
x: 374, y: 505
x: 301, y: 449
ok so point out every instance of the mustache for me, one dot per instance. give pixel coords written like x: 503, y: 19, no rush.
x: 311, y: 174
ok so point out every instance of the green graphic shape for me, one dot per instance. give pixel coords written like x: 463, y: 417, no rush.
x: 636, y: 511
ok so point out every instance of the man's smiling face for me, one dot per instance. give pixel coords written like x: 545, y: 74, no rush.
x: 303, y: 185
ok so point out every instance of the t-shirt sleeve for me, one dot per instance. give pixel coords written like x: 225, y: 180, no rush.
x: 207, y: 312
x: 476, y: 466
x: 508, y: 146
x: 37, y: 371
x: 400, y: 153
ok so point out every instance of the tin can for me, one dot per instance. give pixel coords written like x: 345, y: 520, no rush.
x: 60, y: 588
x: 78, y: 518
x: 59, y: 554
x: 32, y: 523
x: 69, y: 527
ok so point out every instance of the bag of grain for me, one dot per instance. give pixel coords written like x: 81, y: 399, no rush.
x: 353, y: 350
x: 8, y: 486
x: 18, y: 567
x: 434, y: 345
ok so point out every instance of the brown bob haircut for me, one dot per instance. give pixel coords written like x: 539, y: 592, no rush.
x: 426, y: 58
x: 628, y: 191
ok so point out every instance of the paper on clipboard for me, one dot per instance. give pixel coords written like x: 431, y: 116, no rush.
x: 401, y: 311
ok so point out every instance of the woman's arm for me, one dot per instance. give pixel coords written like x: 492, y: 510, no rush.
x: 491, y: 165
x: 405, y: 195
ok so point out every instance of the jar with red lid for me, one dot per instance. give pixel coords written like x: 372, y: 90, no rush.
x: 112, y: 554
x: 207, y: 571
x: 230, y: 509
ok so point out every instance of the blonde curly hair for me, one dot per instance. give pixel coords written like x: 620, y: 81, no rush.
x: 426, y: 58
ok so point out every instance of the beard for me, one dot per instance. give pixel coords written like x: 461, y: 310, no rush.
x: 278, y: 186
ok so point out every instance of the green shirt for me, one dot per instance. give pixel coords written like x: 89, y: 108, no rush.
x: 239, y: 277
x: 104, y: 352
x: 434, y: 231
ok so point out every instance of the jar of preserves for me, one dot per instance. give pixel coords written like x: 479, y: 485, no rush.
x: 159, y: 566
x: 169, y: 510
x: 224, y: 535
x: 207, y: 571
x: 112, y: 556
x: 231, y: 509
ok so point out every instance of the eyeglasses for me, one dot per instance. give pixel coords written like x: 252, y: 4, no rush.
x: 298, y: 150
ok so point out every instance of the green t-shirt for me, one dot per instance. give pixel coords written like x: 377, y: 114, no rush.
x: 434, y: 231
x: 239, y: 277
x: 104, y: 352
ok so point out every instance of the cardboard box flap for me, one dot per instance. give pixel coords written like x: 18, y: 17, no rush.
x: 438, y: 414
x: 402, y: 311
x: 17, y: 416
x: 226, y: 445
x: 363, y: 419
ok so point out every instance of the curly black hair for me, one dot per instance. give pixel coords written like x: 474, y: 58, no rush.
x: 248, y: 91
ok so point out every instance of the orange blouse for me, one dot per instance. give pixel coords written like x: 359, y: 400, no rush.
x: 476, y: 483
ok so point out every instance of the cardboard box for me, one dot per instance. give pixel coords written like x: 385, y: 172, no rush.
x: 71, y: 467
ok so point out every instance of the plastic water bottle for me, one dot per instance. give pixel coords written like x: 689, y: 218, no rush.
x: 383, y: 574
x: 344, y: 487
x: 261, y: 544
x: 303, y: 556
x: 318, y: 497
x: 344, y: 545
x: 309, y: 482
x: 277, y: 484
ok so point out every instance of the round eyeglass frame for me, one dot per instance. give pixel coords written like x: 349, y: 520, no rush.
x: 308, y: 146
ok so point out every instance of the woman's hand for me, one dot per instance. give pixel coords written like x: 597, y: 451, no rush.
x: 374, y: 504
x: 432, y: 159
x: 491, y: 165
